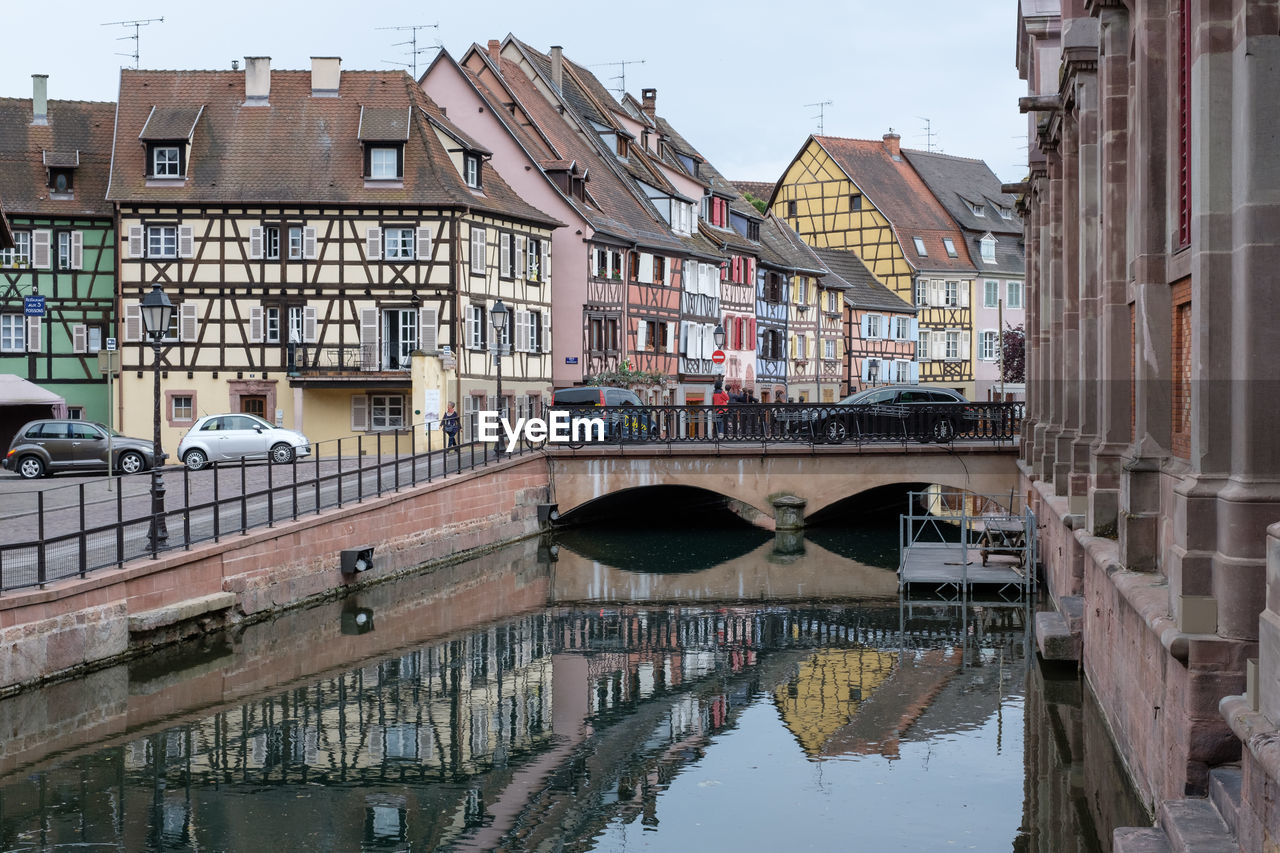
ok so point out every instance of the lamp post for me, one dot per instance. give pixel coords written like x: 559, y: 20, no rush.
x: 157, y: 311
x: 873, y: 371
x: 498, y: 317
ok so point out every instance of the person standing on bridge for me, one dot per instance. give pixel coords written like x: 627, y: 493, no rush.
x: 451, y: 424
x: 719, y: 400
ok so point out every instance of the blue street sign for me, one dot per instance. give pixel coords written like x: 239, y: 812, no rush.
x: 33, y: 306
x: 570, y: 359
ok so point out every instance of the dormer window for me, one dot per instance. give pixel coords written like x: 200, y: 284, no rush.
x: 385, y: 162
x: 920, y: 249
x: 61, y: 170
x: 384, y: 131
x: 166, y: 160
x: 167, y: 136
x: 62, y: 181
x: 471, y: 170
x: 989, y: 248
x: 975, y: 209
x: 950, y: 246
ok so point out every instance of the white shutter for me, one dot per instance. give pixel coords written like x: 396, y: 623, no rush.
x: 646, y: 267
x: 309, y: 243
x: 504, y: 255
x: 368, y: 339
x: 373, y: 244
x: 470, y: 328
x: 595, y: 263
x: 708, y: 339
x: 135, y: 241
x: 423, y: 239
x: 41, y: 257
x: 132, y: 321
x: 865, y: 372
x: 546, y: 261
x: 966, y: 340
x: 429, y: 332
x: 690, y: 274
x: 522, y: 330
x: 187, y: 321
x: 77, y: 250
x: 937, y: 345
x: 913, y: 329
x: 937, y: 293
x: 963, y: 287
x: 79, y: 337
x: 359, y: 412
x: 666, y: 271
x: 642, y: 329
x: 865, y: 323
x: 255, y: 324
x: 671, y: 337
x: 309, y: 324
x: 520, y: 259
x: 255, y: 243
x: 34, y: 325
x: 186, y: 241
x: 546, y: 329
x: 915, y: 372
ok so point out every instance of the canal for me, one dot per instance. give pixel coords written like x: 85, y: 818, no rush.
x: 616, y: 688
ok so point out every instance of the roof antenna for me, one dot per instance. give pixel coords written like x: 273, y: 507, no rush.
x: 137, y: 25
x: 821, y: 112
x: 414, y: 50
x: 928, y: 134
x: 622, y: 89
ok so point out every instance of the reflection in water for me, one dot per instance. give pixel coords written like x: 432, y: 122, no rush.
x: 692, y: 715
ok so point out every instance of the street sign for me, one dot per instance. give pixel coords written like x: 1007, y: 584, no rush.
x: 718, y: 356
x: 570, y: 359
x: 33, y: 306
x: 111, y: 344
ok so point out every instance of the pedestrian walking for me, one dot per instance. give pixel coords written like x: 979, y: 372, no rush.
x: 451, y: 424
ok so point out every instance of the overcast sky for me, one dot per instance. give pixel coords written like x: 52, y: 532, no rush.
x: 735, y: 78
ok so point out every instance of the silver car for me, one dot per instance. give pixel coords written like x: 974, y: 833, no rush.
x: 223, y: 438
x: 53, y: 445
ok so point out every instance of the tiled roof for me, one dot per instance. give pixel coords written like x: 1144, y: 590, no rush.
x: 762, y: 190
x: 864, y: 291
x: 167, y: 123
x: 787, y: 245
x: 384, y: 124
x: 74, y: 126
x: 898, y: 192
x: 300, y: 149
x: 958, y: 182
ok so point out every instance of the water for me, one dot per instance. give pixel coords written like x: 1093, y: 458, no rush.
x: 541, y: 699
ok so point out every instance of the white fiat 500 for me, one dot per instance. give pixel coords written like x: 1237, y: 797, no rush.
x: 223, y: 438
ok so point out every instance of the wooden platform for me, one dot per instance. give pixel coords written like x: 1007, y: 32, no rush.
x: 944, y: 563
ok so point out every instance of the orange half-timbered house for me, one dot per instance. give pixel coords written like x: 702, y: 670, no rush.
x: 316, y: 232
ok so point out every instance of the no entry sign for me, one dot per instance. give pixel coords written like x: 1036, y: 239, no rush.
x: 718, y: 356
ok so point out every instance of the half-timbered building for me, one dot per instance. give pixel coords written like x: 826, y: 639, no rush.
x: 865, y: 196
x: 881, y: 328
x: 54, y: 160
x: 317, y: 232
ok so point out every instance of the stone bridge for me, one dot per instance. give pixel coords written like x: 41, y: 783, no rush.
x: 766, y: 481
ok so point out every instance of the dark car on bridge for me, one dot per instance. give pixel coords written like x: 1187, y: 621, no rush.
x: 618, y: 423
x: 896, y: 412
x: 53, y: 445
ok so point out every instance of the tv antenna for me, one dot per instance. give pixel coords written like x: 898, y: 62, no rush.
x: 928, y: 134
x: 821, y: 105
x: 412, y: 41
x: 137, y: 26
x: 622, y: 77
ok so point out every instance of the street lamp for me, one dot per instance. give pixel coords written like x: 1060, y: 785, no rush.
x: 873, y: 370
x: 157, y: 311
x: 499, y: 316
x: 718, y: 336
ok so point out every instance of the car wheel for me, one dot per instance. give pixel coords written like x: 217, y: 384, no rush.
x: 944, y: 430
x: 131, y: 463
x: 282, y: 454
x: 31, y: 468
x: 835, y: 431
x: 195, y: 459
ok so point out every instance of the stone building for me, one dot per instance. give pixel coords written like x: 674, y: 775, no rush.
x: 1150, y: 450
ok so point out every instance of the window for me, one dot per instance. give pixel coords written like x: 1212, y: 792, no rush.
x: 953, y: 294
x: 855, y: 202
x: 900, y: 328
x: 181, y: 407
x: 791, y: 208
x: 271, y: 242
x: 659, y: 269
x: 922, y: 291
x: 271, y: 325
x: 833, y: 302
x: 950, y: 246
x: 922, y: 347
x: 829, y: 349
x: 386, y: 411
x: 990, y: 294
x: 166, y: 161
x: 988, y: 346
x: 64, y: 250
x: 989, y: 248
x: 615, y: 265
x: 162, y: 241
x: 295, y: 324
x: 477, y: 251
x: 873, y: 326
x: 12, y: 333
x: 471, y: 170
x: 475, y: 332
x: 75, y: 413
x: 533, y: 330
x: 595, y: 333
x: 399, y: 244
x: 295, y: 242
x: 953, y: 345
x: 533, y: 259
x: 62, y: 181
x: 1014, y: 300
x: 920, y: 249
x: 384, y: 163
x: 19, y: 257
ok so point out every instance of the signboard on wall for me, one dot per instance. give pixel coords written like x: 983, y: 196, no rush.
x: 430, y: 406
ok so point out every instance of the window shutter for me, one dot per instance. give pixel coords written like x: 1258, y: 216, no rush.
x: 309, y: 243
x: 470, y: 330
x: 520, y: 258
x: 684, y: 339
x: 77, y: 250
x: 865, y: 370
x: 373, y: 244
x: 963, y: 288
x: 522, y: 330
x: 937, y: 345
x: 132, y: 321
x: 255, y: 324
x: 423, y: 248
x: 546, y: 329
x: 546, y: 261
x: 504, y: 255
x: 34, y: 326
x: 429, y: 335
x: 913, y: 329
x: 866, y: 322
x: 187, y: 325
x: 186, y: 241
x: 309, y: 324
x: 368, y: 339
x: 642, y: 329
x: 965, y: 342
x: 359, y: 412
x: 595, y: 264
x: 79, y: 337
x: 135, y: 241
x: 41, y: 257
x: 646, y: 267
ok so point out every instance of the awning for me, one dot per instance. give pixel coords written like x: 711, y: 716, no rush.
x: 16, y: 391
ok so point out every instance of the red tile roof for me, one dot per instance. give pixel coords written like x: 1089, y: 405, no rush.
x: 74, y: 126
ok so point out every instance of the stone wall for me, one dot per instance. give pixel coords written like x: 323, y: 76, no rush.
x: 75, y: 625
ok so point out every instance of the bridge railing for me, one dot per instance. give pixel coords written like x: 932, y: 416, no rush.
x: 807, y: 423
x: 69, y: 531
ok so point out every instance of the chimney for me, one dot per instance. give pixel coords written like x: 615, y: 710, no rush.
x: 557, y: 66
x: 39, y: 98
x: 650, y: 99
x: 495, y: 49
x: 326, y: 71
x: 257, y: 81
x: 893, y: 142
